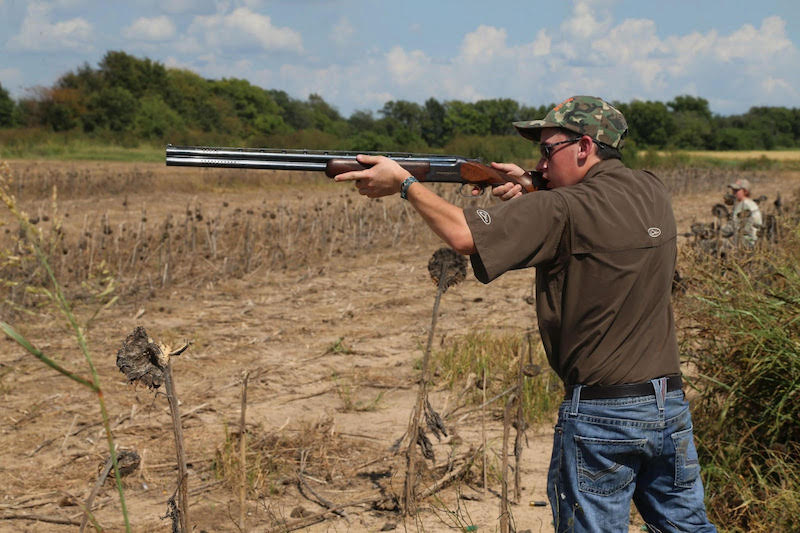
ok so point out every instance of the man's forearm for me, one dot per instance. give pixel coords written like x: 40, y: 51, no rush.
x: 445, y: 219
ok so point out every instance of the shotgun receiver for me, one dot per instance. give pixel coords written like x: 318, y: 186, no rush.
x: 432, y: 168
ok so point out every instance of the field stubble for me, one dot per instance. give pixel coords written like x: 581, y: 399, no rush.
x: 321, y: 295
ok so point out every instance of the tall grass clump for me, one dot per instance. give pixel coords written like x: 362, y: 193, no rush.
x: 29, y: 259
x: 465, y: 361
x: 743, y: 340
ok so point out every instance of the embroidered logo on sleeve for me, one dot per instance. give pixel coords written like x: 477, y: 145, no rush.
x: 654, y: 232
x: 485, y: 216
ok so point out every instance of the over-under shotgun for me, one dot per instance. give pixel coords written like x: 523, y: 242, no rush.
x: 425, y: 167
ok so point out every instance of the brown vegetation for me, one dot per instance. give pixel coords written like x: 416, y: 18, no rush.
x: 323, y: 297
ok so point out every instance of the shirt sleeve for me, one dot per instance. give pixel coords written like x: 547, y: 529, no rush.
x: 524, y: 232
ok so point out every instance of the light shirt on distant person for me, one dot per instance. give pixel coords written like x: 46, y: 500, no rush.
x: 746, y: 221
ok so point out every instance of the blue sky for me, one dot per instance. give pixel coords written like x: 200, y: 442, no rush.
x: 358, y: 54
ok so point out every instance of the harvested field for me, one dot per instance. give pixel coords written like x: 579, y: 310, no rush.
x: 739, y: 155
x: 322, y: 297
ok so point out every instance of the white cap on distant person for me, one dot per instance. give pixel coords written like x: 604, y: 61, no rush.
x: 741, y: 183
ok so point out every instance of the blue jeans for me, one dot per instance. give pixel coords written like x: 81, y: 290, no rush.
x: 609, y: 452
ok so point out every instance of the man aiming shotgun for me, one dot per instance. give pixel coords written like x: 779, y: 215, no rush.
x: 602, y: 239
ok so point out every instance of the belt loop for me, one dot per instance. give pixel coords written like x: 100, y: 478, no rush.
x: 660, y: 389
x: 576, y: 397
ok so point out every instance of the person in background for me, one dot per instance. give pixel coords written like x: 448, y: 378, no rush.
x: 602, y: 239
x: 746, y: 218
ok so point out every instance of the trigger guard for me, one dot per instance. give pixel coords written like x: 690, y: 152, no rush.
x: 467, y: 192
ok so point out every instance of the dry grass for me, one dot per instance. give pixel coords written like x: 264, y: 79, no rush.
x: 741, y: 155
x: 317, y: 449
x: 147, y: 245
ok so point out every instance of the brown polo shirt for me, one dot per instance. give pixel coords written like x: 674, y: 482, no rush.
x: 604, y: 251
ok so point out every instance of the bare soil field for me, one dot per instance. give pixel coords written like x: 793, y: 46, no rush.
x: 331, y: 345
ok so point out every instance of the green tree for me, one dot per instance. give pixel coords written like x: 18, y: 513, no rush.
x: 693, y: 122
x: 325, y: 117
x: 533, y: 113
x: 7, y: 106
x: 500, y: 113
x: 85, y: 79
x: 190, y: 96
x: 369, y: 141
x: 57, y: 109
x: 650, y: 124
x: 733, y: 139
x: 433, y: 127
x: 227, y: 121
x: 464, y: 119
x: 59, y: 116
x: 409, y: 114
x: 155, y: 119
x: 113, y: 108
x: 361, y: 121
x: 691, y: 104
x: 692, y: 132
x: 775, y: 125
x: 295, y: 113
x: 137, y: 76
x: 253, y: 105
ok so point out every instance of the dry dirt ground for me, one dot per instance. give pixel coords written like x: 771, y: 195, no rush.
x: 332, y: 353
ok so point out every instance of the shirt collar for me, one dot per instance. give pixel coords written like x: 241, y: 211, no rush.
x: 605, y: 165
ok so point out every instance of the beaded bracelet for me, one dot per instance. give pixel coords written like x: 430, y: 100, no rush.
x: 406, y: 184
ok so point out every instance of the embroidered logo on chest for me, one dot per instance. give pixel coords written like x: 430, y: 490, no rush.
x: 485, y: 216
x: 654, y: 232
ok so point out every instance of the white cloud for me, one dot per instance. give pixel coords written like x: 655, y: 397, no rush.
x: 342, y: 33
x: 10, y: 78
x: 630, y: 40
x: 684, y: 51
x: 150, y: 29
x: 38, y: 33
x: 776, y: 85
x: 243, y: 28
x: 541, y: 46
x: 484, y: 44
x: 589, y: 18
x: 751, y: 43
x: 407, y: 67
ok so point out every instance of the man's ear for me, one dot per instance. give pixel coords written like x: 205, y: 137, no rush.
x: 586, y: 145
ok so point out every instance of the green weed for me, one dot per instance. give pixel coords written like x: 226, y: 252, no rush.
x: 464, y: 363
x: 742, y: 335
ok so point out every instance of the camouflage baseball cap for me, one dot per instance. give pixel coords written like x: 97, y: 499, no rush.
x: 586, y: 115
x: 741, y: 183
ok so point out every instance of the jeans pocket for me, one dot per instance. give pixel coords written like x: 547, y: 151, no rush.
x: 606, y: 466
x: 687, y: 466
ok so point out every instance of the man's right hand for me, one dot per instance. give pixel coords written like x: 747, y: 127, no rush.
x: 508, y: 190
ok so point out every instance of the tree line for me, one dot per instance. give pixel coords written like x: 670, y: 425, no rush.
x: 127, y: 98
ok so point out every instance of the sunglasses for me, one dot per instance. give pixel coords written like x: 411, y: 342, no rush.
x: 546, y: 149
